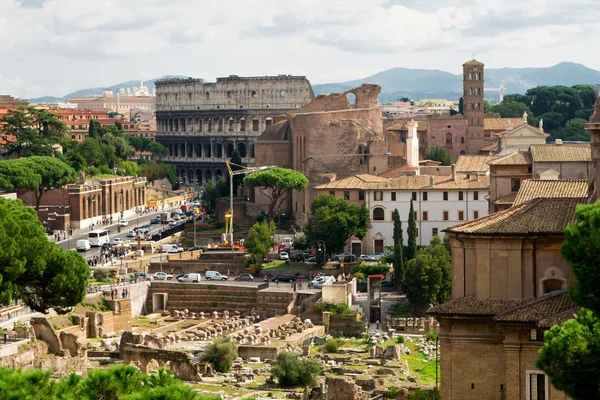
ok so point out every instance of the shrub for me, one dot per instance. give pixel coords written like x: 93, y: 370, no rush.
x: 254, y: 264
x: 334, y: 309
x: 291, y: 370
x: 401, y: 310
x: 400, y: 339
x: 102, y: 275
x: 333, y: 345
x: 370, y: 269
x: 300, y: 243
x: 431, y: 336
x: 221, y: 354
x: 393, y: 392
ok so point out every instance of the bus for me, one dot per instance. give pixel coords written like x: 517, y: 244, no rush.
x: 99, y: 237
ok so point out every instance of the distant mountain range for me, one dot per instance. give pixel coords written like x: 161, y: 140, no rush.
x: 95, y: 92
x: 421, y: 83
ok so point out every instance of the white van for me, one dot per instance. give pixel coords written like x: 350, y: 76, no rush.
x: 171, y: 248
x: 215, y: 276
x: 190, y: 278
x: 83, y: 245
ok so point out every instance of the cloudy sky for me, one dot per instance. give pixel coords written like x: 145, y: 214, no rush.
x: 52, y: 47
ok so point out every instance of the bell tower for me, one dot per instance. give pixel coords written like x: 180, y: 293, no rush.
x: 473, y: 105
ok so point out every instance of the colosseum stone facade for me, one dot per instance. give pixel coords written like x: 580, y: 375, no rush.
x: 201, y: 123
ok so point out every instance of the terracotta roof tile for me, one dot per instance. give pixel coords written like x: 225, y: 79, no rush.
x: 476, y: 306
x: 473, y: 163
x: 526, y: 218
x: 561, y: 153
x: 516, y: 158
x: 491, y: 146
x: 547, y: 306
x: 508, y: 199
x: 549, y: 310
x: 565, y: 188
x: 496, y: 124
x: 473, y: 62
x: 372, y: 182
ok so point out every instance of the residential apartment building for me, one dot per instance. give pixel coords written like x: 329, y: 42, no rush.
x: 438, y: 202
x: 542, y: 161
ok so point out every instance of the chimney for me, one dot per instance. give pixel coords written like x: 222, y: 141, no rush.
x: 412, y: 144
x: 453, y: 166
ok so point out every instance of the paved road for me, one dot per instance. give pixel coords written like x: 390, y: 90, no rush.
x: 143, y: 219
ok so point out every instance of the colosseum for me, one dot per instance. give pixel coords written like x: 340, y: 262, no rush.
x: 201, y: 123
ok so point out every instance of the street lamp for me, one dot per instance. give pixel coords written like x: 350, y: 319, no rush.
x: 320, y: 244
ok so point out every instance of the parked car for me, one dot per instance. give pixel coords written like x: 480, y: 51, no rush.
x: 319, y: 281
x: 172, y: 222
x: 312, y: 259
x: 155, y: 220
x: 344, y: 257
x: 215, y: 276
x: 176, y: 217
x: 377, y: 256
x: 244, y: 277
x: 131, y: 233
x: 297, y: 257
x: 170, y: 248
x: 284, y: 256
x: 284, y: 278
x: 117, y: 241
x: 365, y: 257
x: 162, y: 276
x: 123, y: 223
x: 193, y: 277
x: 141, y: 276
x: 83, y: 245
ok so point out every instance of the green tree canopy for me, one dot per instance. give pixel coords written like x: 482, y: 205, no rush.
x: 571, y: 352
x: 209, y: 198
x: 411, y: 251
x: 35, y: 132
x: 291, y: 370
x: 574, y: 130
x: 34, y: 270
x: 334, y: 221
x: 259, y: 240
x: 118, y: 382
x: 439, y: 154
x: 221, y: 353
x: 275, y: 184
x: 398, y: 259
x: 36, y: 173
x: 428, y: 277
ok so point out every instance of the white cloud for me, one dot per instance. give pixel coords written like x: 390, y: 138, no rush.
x: 55, y: 46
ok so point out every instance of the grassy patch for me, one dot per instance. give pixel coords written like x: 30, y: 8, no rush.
x: 425, y: 370
x: 207, y: 388
x: 279, y: 265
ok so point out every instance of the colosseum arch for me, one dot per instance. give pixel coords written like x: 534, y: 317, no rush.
x: 242, y: 149
x: 229, y: 150
x: 242, y: 124
x: 218, y: 174
x: 208, y: 176
x: 219, y: 151
x: 176, y: 125
x: 207, y: 150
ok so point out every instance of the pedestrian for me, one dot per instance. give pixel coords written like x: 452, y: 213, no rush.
x: 277, y: 282
x: 5, y: 337
x: 377, y: 325
x: 300, y: 284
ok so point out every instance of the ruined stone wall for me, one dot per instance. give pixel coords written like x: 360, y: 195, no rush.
x: 341, y: 388
x: 322, y: 142
x: 233, y: 92
x: 180, y: 363
x: 43, y: 331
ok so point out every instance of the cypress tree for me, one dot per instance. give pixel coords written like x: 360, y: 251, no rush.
x: 398, y: 249
x: 412, y: 234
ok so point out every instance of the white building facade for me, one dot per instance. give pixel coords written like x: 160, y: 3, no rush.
x: 438, y: 202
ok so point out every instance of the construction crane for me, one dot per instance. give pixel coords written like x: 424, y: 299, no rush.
x: 228, y: 241
x: 501, y: 89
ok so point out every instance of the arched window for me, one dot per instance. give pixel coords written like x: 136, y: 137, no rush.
x: 448, y: 138
x: 378, y: 214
